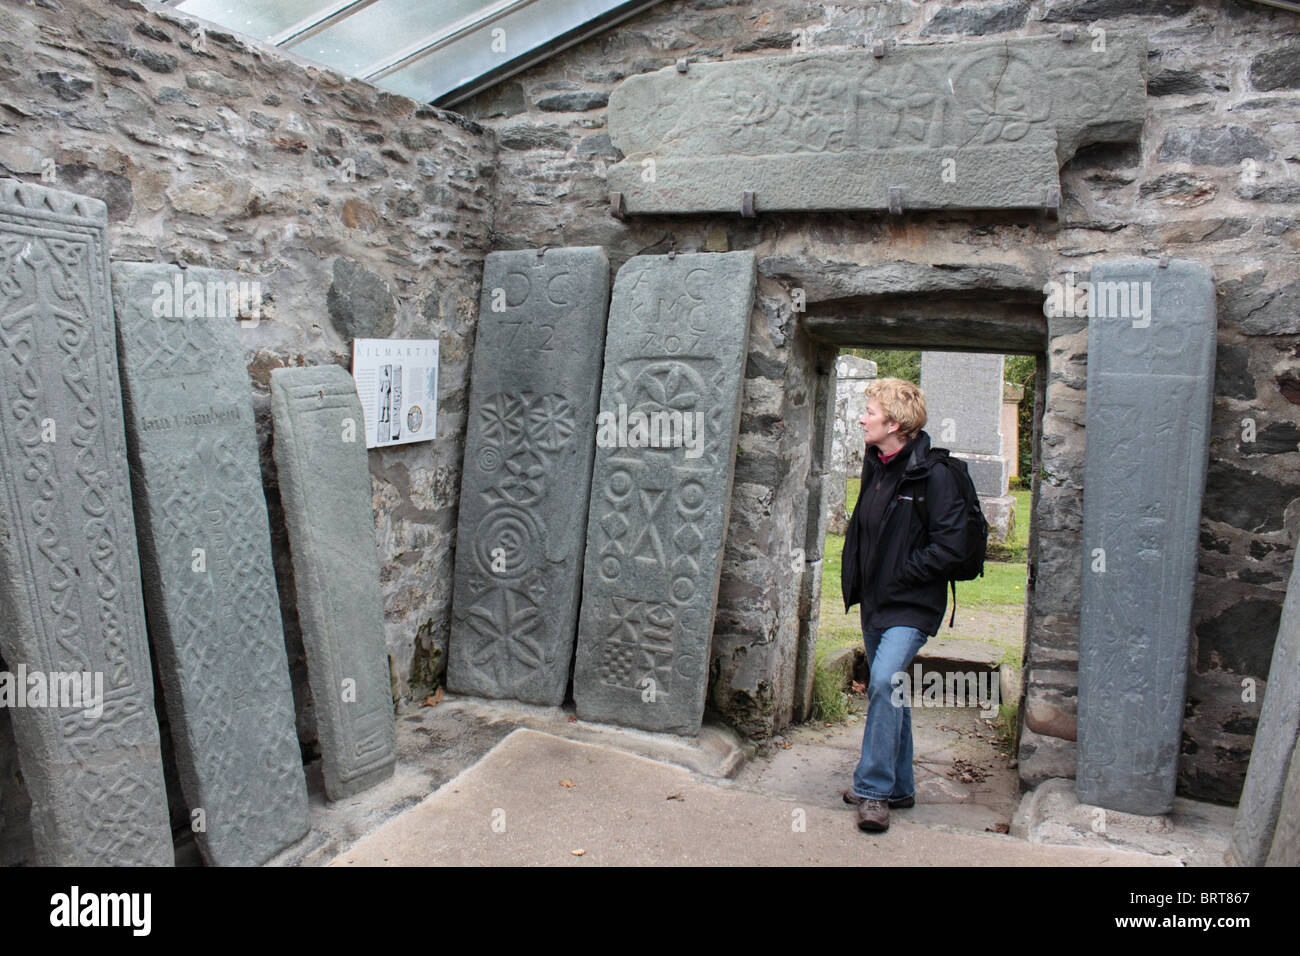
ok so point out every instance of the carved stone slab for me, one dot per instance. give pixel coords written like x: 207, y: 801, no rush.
x: 1150, y: 385
x: 679, y: 329
x: 984, y: 124
x: 528, y: 457
x: 324, y: 474
x: 69, y: 576
x: 1276, y: 740
x: 205, y: 551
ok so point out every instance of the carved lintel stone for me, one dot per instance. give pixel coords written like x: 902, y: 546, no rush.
x: 983, y: 124
x: 324, y: 476
x: 205, y: 554
x: 1151, y: 348
x: 661, y: 490
x: 69, y: 575
x: 529, y: 448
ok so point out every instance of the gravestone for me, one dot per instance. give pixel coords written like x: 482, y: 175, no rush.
x: 205, y: 551
x: 963, y: 399
x: 528, y: 456
x: 324, y: 476
x: 69, y: 576
x: 1285, y: 850
x: 979, y: 124
x: 1272, y: 756
x: 674, y: 356
x: 1150, y: 385
x: 852, y: 375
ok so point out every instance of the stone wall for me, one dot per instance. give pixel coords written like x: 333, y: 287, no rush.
x: 360, y: 213
x: 1213, y: 178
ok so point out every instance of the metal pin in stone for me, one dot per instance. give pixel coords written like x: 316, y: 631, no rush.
x: 672, y: 254
x: 896, y: 200
x: 1067, y: 34
x: 683, y: 65
x: 747, y: 203
x: 1163, y: 262
x: 1052, y: 201
x: 878, y: 48
x: 617, y: 205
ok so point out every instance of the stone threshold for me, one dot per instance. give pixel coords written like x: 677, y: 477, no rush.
x: 1195, y: 834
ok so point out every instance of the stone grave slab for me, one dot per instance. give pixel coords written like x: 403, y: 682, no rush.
x: 679, y: 330
x: 979, y: 124
x: 69, y: 576
x: 1276, y: 740
x: 528, y: 456
x: 324, y: 476
x: 963, y: 398
x: 205, y: 552
x: 1150, y: 384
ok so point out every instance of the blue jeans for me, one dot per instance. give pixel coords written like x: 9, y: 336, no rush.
x: 885, y: 770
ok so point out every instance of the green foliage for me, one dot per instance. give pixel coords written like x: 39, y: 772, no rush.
x: 830, y: 703
x: 892, y: 363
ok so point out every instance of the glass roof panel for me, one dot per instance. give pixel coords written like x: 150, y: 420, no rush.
x: 430, y: 50
x: 378, y: 32
x: 262, y: 20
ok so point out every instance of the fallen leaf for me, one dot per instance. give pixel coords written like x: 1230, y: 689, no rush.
x: 566, y: 783
x: 434, y: 699
x: 573, y: 720
x: 675, y: 796
x: 857, y: 686
x: 577, y: 852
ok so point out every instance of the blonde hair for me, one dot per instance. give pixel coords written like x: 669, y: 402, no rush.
x: 901, y: 401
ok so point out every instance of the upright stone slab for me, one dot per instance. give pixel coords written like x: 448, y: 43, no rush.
x: 963, y: 399
x: 852, y: 376
x: 1150, y: 389
x: 527, y: 473
x: 205, y: 551
x: 1272, y: 756
x: 69, y: 576
x: 978, y: 124
x: 324, y: 475
x: 679, y: 330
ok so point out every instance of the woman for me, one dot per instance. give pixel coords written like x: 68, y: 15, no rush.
x: 903, y: 541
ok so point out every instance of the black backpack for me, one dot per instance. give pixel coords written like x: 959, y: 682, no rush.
x: 975, y: 546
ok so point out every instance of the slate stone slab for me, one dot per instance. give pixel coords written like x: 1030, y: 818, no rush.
x: 1150, y: 388
x: 984, y: 124
x: 324, y: 475
x: 1276, y: 739
x: 205, y: 551
x: 528, y: 456
x: 69, y: 576
x: 963, y: 398
x: 679, y: 329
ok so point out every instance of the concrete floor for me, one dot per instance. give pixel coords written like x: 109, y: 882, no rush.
x: 484, y: 782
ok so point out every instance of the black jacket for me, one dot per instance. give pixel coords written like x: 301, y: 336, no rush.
x: 901, y: 577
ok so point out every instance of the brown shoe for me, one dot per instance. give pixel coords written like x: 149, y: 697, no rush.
x: 852, y: 799
x: 873, y: 815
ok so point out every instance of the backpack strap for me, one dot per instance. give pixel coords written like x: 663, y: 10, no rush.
x: 924, y: 508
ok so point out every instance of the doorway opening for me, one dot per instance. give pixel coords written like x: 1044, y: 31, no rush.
x: 964, y: 756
